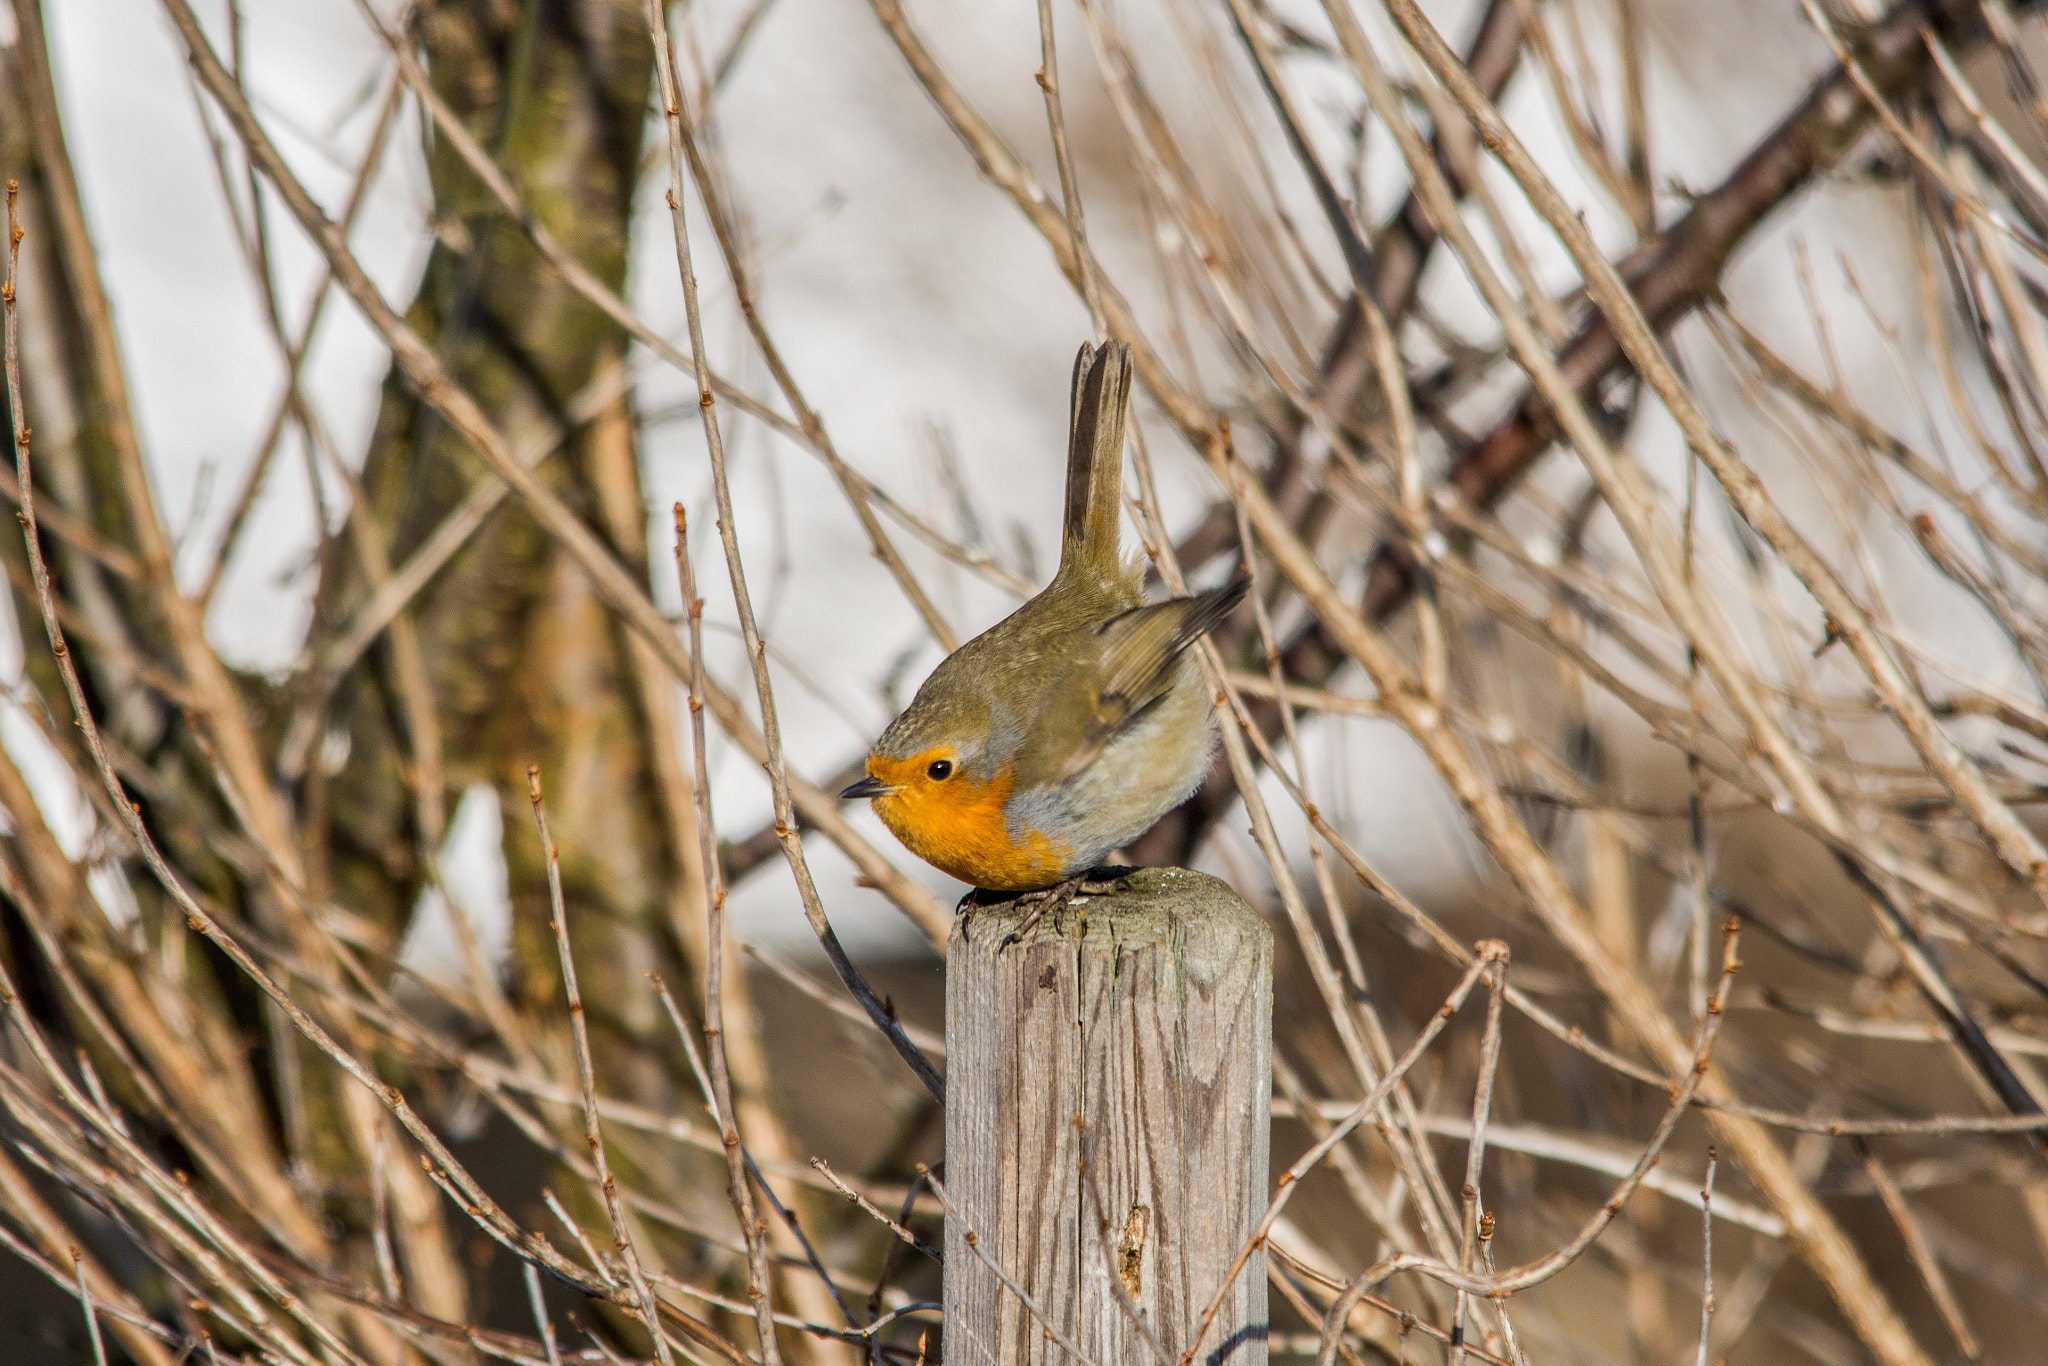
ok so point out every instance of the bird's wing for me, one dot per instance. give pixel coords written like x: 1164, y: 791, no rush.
x: 1139, y: 652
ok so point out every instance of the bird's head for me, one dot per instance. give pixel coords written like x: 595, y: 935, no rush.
x: 941, y: 778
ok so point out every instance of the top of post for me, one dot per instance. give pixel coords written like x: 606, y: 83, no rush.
x: 1135, y: 905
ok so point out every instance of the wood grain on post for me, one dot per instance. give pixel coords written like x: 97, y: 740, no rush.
x: 1108, y: 1078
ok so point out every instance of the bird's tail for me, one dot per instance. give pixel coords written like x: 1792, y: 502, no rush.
x: 1095, y: 460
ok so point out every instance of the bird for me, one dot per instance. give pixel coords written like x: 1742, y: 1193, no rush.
x: 1067, y: 729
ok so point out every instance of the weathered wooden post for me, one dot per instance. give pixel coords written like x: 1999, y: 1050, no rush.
x: 1108, y: 1077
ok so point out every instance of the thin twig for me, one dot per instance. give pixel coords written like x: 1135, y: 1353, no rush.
x: 540, y: 1312
x: 92, y: 1318
x: 1707, y: 1254
x: 586, y: 1077
x: 1053, y: 1332
x: 1475, y: 1145
x: 613, y: 584
x: 1544, y: 1268
x: 1931, y: 1274
x: 1290, y: 1180
x: 782, y: 1212
x: 869, y: 1206
x: 718, y: 1085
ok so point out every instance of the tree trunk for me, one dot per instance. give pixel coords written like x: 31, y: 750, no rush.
x: 513, y: 658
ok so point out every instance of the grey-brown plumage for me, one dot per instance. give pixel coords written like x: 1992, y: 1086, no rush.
x: 1067, y: 728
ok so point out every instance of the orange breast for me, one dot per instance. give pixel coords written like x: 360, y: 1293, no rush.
x: 957, y: 826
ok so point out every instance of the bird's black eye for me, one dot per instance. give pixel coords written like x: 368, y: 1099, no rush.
x: 940, y: 770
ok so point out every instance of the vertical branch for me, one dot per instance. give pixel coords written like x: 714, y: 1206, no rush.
x: 786, y: 828
x: 92, y: 1314
x: 1475, y: 1149
x: 436, y: 1158
x: 540, y: 1313
x: 27, y: 1210
x: 1938, y: 1288
x: 1070, y: 188
x: 719, y: 1090
x: 220, y: 702
x: 611, y: 582
x: 1707, y: 1254
x: 684, y: 147
x: 586, y: 1078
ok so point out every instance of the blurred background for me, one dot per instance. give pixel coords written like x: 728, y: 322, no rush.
x: 1633, y: 412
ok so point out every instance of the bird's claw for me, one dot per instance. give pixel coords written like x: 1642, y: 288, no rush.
x: 1056, y: 899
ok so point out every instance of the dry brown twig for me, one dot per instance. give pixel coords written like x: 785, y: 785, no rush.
x: 436, y: 1159
x: 593, y: 1131
x: 1499, y: 1285
x: 1583, y: 628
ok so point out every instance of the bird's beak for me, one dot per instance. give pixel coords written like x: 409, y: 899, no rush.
x: 866, y: 787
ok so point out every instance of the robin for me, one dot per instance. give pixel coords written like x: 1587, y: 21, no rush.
x: 1066, y: 729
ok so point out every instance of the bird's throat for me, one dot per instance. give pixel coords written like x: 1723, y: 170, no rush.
x: 959, y: 828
